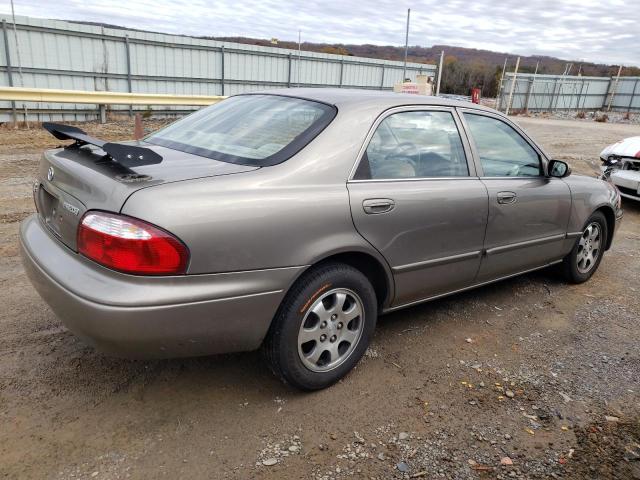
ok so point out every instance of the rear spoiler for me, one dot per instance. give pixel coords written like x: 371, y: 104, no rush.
x: 126, y: 155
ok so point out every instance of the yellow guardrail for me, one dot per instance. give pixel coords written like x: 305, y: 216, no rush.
x: 102, y: 98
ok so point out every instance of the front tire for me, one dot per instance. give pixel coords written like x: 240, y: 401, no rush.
x: 585, y: 256
x: 323, y: 327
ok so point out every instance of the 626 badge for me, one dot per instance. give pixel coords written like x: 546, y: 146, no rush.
x: 70, y: 208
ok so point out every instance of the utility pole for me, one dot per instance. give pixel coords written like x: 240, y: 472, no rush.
x: 406, y: 47
x: 513, y: 87
x: 440, y: 73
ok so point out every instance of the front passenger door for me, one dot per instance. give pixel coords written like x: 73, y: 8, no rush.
x: 528, y: 211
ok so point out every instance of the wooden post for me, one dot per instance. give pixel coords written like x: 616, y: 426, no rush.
x: 554, y: 103
x: 499, y: 96
x: 584, y: 98
x: 138, y: 133
x: 580, y: 95
x: 513, y: 87
x: 615, y: 86
x: 633, y: 94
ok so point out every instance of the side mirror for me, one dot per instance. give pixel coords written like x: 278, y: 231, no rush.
x: 558, y: 169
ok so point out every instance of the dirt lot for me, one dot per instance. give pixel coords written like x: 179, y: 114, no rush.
x: 538, y: 375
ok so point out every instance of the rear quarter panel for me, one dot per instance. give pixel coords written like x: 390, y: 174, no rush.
x: 292, y: 214
x: 234, y: 224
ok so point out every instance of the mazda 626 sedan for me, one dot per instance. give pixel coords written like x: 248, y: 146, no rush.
x: 290, y: 219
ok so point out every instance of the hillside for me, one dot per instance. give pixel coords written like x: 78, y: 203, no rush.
x: 418, y: 54
x: 464, y: 67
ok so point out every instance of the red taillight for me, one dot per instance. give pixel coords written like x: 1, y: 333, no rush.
x: 130, y: 245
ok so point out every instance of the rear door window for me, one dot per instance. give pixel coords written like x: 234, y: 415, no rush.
x: 255, y: 130
x: 414, y: 144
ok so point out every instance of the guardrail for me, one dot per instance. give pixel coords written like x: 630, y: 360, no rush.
x: 102, y: 98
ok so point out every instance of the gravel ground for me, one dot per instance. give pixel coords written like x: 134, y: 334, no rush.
x: 527, y: 378
x: 592, y: 116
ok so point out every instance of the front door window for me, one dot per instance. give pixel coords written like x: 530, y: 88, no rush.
x: 502, y: 150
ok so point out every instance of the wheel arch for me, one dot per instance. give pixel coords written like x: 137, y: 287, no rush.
x: 610, y: 217
x: 372, y: 266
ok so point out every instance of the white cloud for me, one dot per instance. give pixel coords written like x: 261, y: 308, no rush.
x: 591, y: 30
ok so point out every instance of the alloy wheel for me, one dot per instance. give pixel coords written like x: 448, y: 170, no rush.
x: 330, y: 330
x: 589, y: 248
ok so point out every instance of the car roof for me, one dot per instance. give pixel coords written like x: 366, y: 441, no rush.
x: 350, y: 97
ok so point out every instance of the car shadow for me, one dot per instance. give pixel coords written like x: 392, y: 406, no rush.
x: 244, y: 376
x: 545, y: 280
x: 631, y: 206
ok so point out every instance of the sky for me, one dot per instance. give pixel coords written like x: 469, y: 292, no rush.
x: 602, y: 31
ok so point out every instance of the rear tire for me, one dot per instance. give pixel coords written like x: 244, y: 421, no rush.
x: 585, y: 256
x: 322, y: 327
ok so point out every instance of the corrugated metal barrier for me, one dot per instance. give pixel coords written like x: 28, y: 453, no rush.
x: 546, y: 93
x: 62, y: 55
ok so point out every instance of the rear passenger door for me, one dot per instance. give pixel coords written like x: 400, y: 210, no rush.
x: 415, y: 197
x: 528, y: 211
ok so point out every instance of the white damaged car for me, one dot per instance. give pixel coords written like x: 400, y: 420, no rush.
x: 621, y: 166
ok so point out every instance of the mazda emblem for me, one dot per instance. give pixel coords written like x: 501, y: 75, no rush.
x: 50, y: 174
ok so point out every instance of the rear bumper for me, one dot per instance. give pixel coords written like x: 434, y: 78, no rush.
x: 152, y: 317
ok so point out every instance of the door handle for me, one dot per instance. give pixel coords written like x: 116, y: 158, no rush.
x: 374, y: 206
x: 507, y: 197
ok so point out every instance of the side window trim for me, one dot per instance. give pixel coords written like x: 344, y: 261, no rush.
x: 466, y: 145
x: 544, y: 159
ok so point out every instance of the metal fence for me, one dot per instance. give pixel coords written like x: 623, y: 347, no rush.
x: 64, y: 55
x: 562, y: 92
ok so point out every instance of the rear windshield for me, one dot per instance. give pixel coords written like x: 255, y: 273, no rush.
x: 256, y: 130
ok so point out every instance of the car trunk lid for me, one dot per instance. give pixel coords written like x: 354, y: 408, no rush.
x: 73, y: 180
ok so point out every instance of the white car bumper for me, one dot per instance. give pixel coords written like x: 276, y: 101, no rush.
x: 628, y: 183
